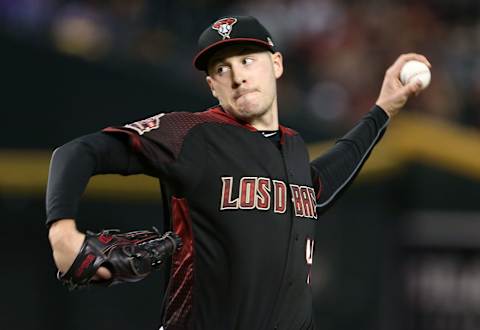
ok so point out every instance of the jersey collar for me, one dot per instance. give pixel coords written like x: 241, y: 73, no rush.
x: 222, y: 115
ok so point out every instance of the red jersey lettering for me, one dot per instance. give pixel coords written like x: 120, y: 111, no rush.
x: 280, y: 194
x: 227, y: 203
x: 263, y: 194
x: 248, y: 192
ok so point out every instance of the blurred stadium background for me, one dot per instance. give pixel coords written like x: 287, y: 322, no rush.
x: 401, y: 250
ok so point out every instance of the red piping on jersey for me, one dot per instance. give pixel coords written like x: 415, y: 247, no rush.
x: 286, y: 131
x: 178, y: 310
x: 220, y: 114
x: 134, y: 138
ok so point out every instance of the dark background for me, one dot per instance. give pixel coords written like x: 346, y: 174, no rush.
x: 399, y: 251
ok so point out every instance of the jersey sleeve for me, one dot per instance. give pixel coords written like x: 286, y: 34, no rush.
x: 159, y: 138
x: 150, y: 146
x: 334, y: 171
x: 72, y: 165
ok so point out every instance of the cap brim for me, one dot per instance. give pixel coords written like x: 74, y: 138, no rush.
x: 201, y: 59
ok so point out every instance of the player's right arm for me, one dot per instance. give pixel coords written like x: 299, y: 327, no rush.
x: 333, y: 172
x: 71, y: 167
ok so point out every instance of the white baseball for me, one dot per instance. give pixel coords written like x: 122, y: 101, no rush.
x: 415, y: 70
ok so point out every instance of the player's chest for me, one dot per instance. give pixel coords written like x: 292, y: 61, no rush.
x: 243, y: 154
x: 252, y: 173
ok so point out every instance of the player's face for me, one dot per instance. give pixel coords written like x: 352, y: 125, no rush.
x: 243, y: 79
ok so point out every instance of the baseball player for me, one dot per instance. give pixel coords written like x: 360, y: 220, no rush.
x: 241, y: 196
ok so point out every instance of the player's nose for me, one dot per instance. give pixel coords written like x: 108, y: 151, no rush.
x: 239, y: 76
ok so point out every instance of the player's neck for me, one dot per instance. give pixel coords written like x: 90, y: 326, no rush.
x: 268, y: 121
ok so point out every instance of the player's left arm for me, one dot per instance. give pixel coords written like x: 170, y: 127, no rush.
x: 333, y: 172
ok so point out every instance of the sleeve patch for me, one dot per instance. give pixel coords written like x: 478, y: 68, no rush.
x: 146, y: 125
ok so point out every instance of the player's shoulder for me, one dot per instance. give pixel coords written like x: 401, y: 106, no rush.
x: 182, y: 122
x: 288, y: 131
x: 212, y: 115
x: 219, y: 116
x: 174, y: 120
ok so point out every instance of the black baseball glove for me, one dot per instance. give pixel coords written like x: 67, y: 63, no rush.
x: 130, y: 256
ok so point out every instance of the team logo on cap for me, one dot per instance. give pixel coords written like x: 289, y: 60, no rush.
x: 224, y: 26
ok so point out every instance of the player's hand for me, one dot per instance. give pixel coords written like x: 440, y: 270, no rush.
x: 394, y: 94
x: 66, y: 242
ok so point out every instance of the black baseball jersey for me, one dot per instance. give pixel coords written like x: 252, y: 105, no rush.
x: 245, y: 208
x: 246, y: 211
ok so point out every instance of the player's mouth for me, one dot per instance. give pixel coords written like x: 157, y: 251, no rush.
x: 243, y: 92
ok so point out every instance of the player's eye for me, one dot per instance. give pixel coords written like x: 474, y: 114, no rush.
x: 221, y: 69
x: 247, y: 60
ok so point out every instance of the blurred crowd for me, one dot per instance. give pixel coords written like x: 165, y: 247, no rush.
x: 336, y: 52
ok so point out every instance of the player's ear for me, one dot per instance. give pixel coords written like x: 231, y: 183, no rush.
x: 210, y: 84
x: 277, y: 60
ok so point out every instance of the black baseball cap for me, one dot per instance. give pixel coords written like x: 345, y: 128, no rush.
x: 231, y: 30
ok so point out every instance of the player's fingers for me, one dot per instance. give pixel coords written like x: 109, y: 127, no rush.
x: 103, y: 274
x: 412, y: 88
x: 402, y: 59
x: 396, y: 67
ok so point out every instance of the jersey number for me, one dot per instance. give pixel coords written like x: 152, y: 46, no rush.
x: 309, y: 256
